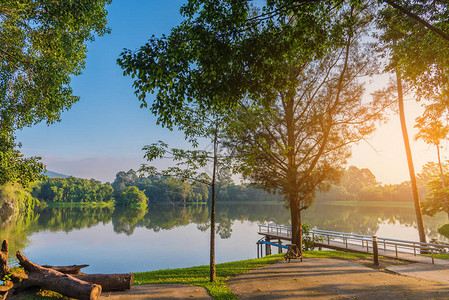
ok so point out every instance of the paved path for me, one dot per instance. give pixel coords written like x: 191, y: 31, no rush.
x: 159, y: 291
x: 315, y: 278
x: 423, y: 271
x: 331, y: 279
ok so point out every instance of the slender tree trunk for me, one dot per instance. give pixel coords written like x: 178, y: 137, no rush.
x: 442, y: 179
x: 212, y: 215
x: 411, y: 169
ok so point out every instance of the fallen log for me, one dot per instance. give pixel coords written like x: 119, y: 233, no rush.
x: 53, y: 280
x: 66, y: 280
x: 72, y: 270
x: 109, y: 282
x: 4, y: 270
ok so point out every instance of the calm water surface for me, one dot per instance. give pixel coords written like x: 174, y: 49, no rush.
x: 166, y: 236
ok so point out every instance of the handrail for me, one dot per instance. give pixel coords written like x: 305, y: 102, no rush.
x: 386, y: 239
x: 365, y: 239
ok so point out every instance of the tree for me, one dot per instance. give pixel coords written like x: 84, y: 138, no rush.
x: 432, y: 131
x: 133, y: 197
x: 298, y: 140
x: 224, y: 51
x: 42, y: 44
x: 417, y: 56
x: 354, y: 179
x: 195, y: 122
x: 437, y: 189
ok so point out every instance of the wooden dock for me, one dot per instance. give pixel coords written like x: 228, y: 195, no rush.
x: 406, y: 250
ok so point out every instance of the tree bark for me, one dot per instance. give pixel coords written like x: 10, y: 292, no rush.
x: 72, y: 270
x: 411, y: 169
x: 49, y: 279
x: 4, y: 259
x: 295, y: 215
x: 109, y: 282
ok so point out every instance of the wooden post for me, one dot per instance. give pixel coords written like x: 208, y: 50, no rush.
x: 267, y: 247
x: 279, y: 248
x: 375, y: 251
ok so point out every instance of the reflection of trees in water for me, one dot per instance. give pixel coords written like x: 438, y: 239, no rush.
x: 16, y: 227
x: 125, y: 220
x: 341, y: 218
x: 70, y: 218
x: 360, y: 220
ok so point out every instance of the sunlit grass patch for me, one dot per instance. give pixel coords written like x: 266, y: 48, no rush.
x: 200, y: 275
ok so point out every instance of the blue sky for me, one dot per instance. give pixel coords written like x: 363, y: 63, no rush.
x: 105, y: 131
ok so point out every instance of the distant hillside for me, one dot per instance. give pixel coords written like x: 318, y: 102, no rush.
x: 52, y: 174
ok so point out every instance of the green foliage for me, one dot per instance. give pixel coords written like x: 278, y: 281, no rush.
x: 43, y: 44
x: 420, y: 54
x: 133, y: 197
x: 437, y: 197
x: 73, y: 189
x: 308, y: 241
x: 15, y: 199
x: 444, y: 230
x: 223, y: 50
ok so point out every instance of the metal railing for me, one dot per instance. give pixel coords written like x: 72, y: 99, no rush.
x: 365, y: 241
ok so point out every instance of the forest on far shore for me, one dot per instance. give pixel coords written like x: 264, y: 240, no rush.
x: 130, y: 189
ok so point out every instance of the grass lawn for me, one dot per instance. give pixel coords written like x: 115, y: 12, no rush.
x: 219, y: 290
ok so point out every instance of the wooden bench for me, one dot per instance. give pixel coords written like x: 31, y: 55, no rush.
x: 292, y: 252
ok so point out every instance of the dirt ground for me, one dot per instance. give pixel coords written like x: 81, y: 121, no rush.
x: 159, y: 291
x: 331, y: 279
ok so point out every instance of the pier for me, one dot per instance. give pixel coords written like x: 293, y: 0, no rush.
x: 274, y: 235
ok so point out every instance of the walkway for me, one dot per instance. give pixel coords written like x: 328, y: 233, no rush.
x: 314, y: 278
x: 331, y: 279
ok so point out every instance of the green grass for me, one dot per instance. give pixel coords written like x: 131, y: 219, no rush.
x: 200, y: 275
x: 439, y: 256
x: 219, y: 290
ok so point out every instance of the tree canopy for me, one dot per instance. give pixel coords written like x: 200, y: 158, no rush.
x: 42, y: 44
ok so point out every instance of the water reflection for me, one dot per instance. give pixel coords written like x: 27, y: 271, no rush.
x: 157, y: 218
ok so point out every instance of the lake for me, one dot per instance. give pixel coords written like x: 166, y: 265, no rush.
x: 169, y: 236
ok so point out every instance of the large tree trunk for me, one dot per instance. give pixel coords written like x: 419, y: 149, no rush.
x: 295, y: 215
x: 411, y: 169
x: 56, y: 281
